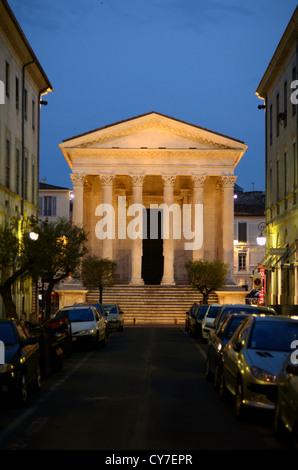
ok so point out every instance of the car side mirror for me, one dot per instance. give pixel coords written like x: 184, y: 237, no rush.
x: 30, y: 340
x: 292, y: 369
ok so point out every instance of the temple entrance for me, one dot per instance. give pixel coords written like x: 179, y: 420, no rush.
x: 152, y: 260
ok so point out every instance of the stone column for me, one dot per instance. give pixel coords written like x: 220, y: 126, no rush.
x: 295, y: 299
x: 228, y: 225
x: 137, y: 244
x: 107, y: 198
x: 168, y: 243
x: 198, y: 198
x: 78, y: 202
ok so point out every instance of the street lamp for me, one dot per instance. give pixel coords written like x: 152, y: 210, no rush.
x: 261, y: 239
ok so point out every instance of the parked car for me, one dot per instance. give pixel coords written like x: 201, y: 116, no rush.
x: 194, y: 307
x: 239, y: 309
x: 21, y: 367
x: 195, y: 323
x: 286, y: 409
x: 216, y: 344
x: 100, y: 309
x: 115, y: 316
x: 87, y: 324
x: 209, y: 319
x: 252, y: 359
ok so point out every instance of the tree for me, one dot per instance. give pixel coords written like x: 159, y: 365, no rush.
x: 98, y: 273
x: 16, y: 257
x: 59, y: 251
x: 206, y: 276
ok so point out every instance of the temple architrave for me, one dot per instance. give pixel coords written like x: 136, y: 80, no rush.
x: 135, y: 175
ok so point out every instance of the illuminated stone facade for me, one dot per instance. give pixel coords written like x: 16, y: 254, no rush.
x: 155, y: 159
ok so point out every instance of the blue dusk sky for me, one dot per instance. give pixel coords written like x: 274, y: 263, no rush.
x: 194, y: 60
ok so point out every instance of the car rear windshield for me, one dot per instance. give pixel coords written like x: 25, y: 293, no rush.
x: 110, y: 308
x: 213, y: 311
x: 274, y: 335
x: 7, y: 334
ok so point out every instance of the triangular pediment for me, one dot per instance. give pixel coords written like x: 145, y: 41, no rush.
x: 152, y: 131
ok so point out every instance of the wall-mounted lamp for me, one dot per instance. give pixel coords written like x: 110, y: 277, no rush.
x: 261, y: 239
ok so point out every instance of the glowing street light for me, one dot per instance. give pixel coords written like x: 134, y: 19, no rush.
x: 261, y: 239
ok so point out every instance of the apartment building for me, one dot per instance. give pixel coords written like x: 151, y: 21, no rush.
x: 23, y: 84
x: 278, y: 89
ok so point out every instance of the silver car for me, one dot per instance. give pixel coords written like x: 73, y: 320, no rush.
x: 209, y: 319
x: 286, y: 409
x: 252, y: 360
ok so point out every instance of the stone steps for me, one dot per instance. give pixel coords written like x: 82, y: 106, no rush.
x: 151, y: 304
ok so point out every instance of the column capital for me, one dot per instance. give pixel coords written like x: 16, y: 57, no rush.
x: 168, y: 180
x: 137, y: 180
x: 198, y: 180
x: 77, y: 179
x: 229, y: 181
x: 107, y: 180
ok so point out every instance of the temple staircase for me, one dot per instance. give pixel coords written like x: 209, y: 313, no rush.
x: 151, y: 304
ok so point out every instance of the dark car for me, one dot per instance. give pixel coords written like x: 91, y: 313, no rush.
x: 239, y: 309
x: 286, y: 408
x: 194, y: 307
x: 252, y: 359
x: 217, y: 342
x: 115, y: 316
x: 21, y: 365
x: 196, y: 318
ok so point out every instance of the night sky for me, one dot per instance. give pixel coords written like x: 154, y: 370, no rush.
x: 196, y: 61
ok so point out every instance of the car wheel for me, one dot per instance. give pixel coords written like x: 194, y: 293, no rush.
x: 239, y: 408
x: 216, y: 376
x: 37, y: 381
x: 208, y: 373
x: 22, y: 393
x: 278, y: 426
x: 222, y: 389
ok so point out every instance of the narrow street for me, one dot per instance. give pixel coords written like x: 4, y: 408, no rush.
x: 146, y: 390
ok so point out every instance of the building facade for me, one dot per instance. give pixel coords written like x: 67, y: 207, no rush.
x: 249, y: 214
x: 278, y: 88
x: 152, y: 192
x: 23, y: 82
x: 54, y: 202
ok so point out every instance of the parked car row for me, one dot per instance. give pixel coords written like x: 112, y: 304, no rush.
x: 251, y: 357
x: 29, y: 352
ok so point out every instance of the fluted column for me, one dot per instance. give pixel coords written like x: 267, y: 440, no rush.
x: 168, y: 243
x: 137, y: 243
x: 198, y: 198
x: 107, y: 198
x: 228, y: 224
x: 78, y: 202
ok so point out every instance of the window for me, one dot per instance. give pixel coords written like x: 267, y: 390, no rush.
x: 33, y: 114
x: 285, y: 102
x: 26, y: 104
x: 49, y: 206
x: 7, y: 78
x: 7, y: 178
x: 17, y: 93
x: 277, y: 113
x: 270, y: 122
x: 241, y: 261
x: 242, y: 232
x: 294, y: 78
x: 277, y: 180
x: 17, y: 170
x: 26, y: 176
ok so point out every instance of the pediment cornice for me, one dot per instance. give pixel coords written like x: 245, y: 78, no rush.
x: 148, y: 125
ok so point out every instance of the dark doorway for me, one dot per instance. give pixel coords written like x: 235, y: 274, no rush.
x: 152, y: 261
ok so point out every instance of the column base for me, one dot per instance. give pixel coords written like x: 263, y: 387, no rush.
x: 137, y: 282
x: 167, y: 282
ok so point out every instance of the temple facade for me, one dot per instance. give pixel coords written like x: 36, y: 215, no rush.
x: 152, y: 192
